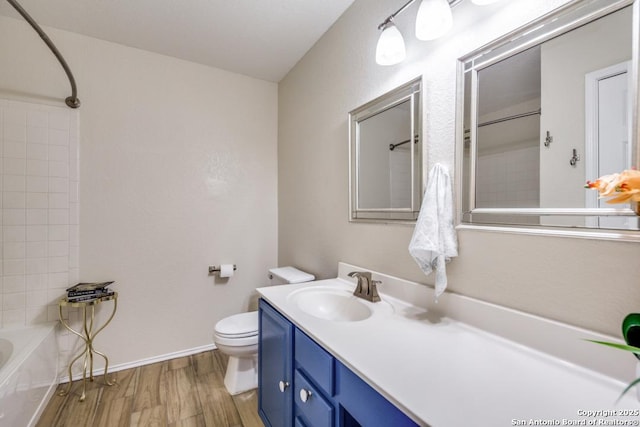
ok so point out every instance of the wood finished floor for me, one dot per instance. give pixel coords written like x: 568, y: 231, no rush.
x: 184, y: 392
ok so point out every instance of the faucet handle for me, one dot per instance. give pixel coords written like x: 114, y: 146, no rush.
x: 373, y: 290
x: 358, y: 274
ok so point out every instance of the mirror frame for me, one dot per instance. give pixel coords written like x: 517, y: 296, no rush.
x: 514, y: 42
x: 410, y: 91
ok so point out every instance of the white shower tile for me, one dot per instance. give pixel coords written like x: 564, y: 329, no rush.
x: 37, y: 167
x: 37, y: 216
x: 37, y: 135
x: 14, y: 132
x: 12, y: 318
x: 35, y: 315
x: 59, y: 120
x: 58, y: 216
x: 37, y: 151
x: 37, y: 266
x: 74, y: 214
x: 37, y: 233
x: 16, y: 150
x: 74, y: 257
x: 37, y: 249
x: 58, y: 264
x: 58, y: 232
x: 37, y: 200
x: 14, y: 284
x: 53, y: 315
x: 13, y: 233
x: 74, y: 168
x: 73, y: 191
x: 13, y: 166
x: 58, y: 248
x: 13, y: 199
x: 37, y: 118
x: 74, y: 275
x: 37, y: 184
x: 36, y: 298
x: 13, y: 217
x: 14, y: 301
x: 15, y: 114
x: 14, y: 250
x: 13, y: 267
x: 36, y: 282
x: 58, y: 185
x: 13, y: 183
x: 58, y: 280
x: 59, y: 169
x: 74, y: 235
x: 58, y: 201
x: 59, y: 153
x: 58, y: 137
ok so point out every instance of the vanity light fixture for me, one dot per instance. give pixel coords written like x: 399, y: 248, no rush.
x: 484, y: 2
x: 390, y: 49
x: 433, y: 20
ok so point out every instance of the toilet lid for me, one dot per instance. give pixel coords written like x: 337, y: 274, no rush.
x: 239, y: 325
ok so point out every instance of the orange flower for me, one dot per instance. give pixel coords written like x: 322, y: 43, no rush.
x: 622, y: 187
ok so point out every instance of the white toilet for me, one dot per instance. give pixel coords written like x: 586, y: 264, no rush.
x: 237, y: 336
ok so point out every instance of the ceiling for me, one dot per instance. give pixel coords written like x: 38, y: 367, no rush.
x: 258, y: 38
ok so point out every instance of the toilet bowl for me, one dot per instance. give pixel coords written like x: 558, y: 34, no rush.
x: 237, y: 337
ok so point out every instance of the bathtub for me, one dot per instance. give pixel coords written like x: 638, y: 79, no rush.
x: 28, y: 373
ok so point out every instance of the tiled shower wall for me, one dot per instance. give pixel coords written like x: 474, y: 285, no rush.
x: 39, y: 182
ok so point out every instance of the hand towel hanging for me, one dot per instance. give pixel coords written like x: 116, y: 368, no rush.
x: 434, y: 239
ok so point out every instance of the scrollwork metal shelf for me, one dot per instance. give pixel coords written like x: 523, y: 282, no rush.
x: 87, y: 335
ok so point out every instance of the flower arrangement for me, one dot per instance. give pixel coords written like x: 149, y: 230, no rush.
x: 621, y: 187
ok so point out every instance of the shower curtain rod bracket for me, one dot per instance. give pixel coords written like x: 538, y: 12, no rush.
x: 71, y: 101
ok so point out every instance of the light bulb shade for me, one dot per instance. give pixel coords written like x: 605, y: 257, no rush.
x: 390, y: 49
x: 484, y: 2
x: 434, y: 19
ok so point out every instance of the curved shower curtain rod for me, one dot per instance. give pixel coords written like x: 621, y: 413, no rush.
x: 71, y: 101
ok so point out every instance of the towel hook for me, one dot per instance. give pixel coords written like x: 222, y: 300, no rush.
x: 574, y: 158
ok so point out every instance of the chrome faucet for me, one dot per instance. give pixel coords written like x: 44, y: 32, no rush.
x: 366, y: 288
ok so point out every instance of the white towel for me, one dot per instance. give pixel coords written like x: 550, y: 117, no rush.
x: 434, y: 238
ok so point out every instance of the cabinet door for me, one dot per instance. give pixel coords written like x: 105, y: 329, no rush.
x: 361, y: 405
x: 275, y: 368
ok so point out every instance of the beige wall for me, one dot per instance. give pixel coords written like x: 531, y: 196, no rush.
x: 177, y: 172
x: 583, y: 282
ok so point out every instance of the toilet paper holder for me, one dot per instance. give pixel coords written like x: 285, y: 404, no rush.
x: 213, y: 269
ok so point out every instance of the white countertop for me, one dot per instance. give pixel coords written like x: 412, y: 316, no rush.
x: 444, y: 372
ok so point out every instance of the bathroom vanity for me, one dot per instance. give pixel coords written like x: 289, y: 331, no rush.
x: 302, y: 384
x: 327, y: 358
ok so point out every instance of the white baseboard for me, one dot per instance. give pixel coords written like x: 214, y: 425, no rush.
x: 147, y: 361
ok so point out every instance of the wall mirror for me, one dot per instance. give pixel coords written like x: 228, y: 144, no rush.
x: 385, y: 156
x: 544, y: 109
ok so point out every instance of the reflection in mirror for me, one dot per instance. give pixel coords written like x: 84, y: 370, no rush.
x: 545, y: 109
x: 385, y: 156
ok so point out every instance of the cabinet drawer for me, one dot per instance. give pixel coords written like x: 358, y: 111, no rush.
x: 317, y: 411
x: 316, y: 363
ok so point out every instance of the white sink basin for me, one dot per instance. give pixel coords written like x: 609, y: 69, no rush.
x: 330, y: 304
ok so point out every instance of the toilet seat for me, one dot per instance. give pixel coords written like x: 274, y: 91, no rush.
x: 243, y: 325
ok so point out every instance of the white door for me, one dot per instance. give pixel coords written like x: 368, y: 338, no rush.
x: 608, y: 150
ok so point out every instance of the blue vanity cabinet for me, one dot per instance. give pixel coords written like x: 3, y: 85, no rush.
x: 320, y: 391
x: 313, y: 383
x: 361, y: 405
x: 275, y: 368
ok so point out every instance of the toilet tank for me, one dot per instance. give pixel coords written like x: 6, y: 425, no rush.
x: 288, y: 275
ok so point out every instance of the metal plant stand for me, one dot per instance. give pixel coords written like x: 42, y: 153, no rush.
x: 87, y: 335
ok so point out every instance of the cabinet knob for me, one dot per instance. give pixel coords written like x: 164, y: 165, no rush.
x: 282, y: 385
x: 305, y: 394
